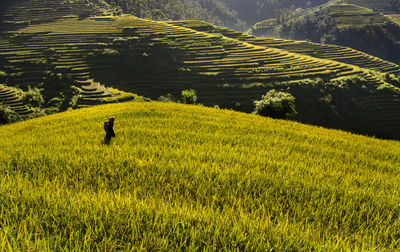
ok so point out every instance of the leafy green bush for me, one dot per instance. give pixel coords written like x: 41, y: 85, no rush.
x: 33, y: 97
x: 189, y: 96
x: 276, y: 105
x: 7, y: 115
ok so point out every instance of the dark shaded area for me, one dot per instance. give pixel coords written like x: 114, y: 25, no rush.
x: 253, y: 11
x: 213, y: 11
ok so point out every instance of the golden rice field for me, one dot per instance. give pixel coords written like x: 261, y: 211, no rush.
x: 180, y: 177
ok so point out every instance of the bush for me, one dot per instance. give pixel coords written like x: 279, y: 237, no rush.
x: 7, y: 115
x: 276, y: 105
x: 189, y: 96
x: 33, y: 97
x: 167, y: 98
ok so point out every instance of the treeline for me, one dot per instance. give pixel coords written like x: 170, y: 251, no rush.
x: 212, y: 11
x: 236, y: 14
x: 253, y: 11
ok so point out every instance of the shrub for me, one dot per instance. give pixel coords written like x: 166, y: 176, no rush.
x: 7, y: 115
x: 167, y: 98
x: 189, y: 96
x: 276, y: 105
x: 33, y: 97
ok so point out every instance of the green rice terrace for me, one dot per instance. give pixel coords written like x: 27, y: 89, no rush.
x: 341, y: 15
x: 384, y: 6
x: 9, y: 97
x: 345, y: 15
x: 323, y: 51
x: 190, y: 178
x: 350, y: 25
x: 78, y: 59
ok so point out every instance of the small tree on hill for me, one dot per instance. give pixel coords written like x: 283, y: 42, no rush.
x: 189, y: 96
x: 276, y: 105
x: 33, y: 97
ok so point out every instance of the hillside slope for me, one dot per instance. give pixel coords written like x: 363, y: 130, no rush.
x: 155, y: 58
x: 323, y: 51
x: 342, y: 24
x: 384, y: 6
x: 76, y: 59
x: 181, y: 177
x: 213, y: 11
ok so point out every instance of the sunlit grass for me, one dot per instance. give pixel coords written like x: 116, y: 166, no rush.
x: 194, y: 178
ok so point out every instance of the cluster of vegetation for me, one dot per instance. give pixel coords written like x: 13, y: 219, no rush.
x: 187, y: 178
x: 253, y: 11
x: 276, y: 104
x: 8, y: 115
x: 56, y: 93
x: 189, y: 96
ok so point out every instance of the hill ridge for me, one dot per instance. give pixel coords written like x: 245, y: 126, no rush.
x: 180, y: 177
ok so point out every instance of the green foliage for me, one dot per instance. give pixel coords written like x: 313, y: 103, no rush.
x: 167, y: 98
x: 252, y: 11
x: 33, y: 97
x: 213, y: 11
x: 58, y: 85
x: 276, y: 105
x: 189, y: 96
x: 7, y: 115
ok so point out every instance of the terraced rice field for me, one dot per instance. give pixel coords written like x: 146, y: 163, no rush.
x: 27, y: 63
x: 17, y: 14
x: 384, y: 6
x: 324, y: 51
x: 155, y: 58
x: 9, y: 98
x: 349, y: 15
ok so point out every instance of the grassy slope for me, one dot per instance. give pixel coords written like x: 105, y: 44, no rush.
x: 190, y: 177
x: 224, y: 71
x: 155, y: 58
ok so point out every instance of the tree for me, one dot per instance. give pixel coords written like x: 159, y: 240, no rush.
x: 189, y: 96
x: 7, y: 115
x: 276, y: 105
x: 33, y: 97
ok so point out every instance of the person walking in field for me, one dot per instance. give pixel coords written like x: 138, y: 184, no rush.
x: 108, y: 127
